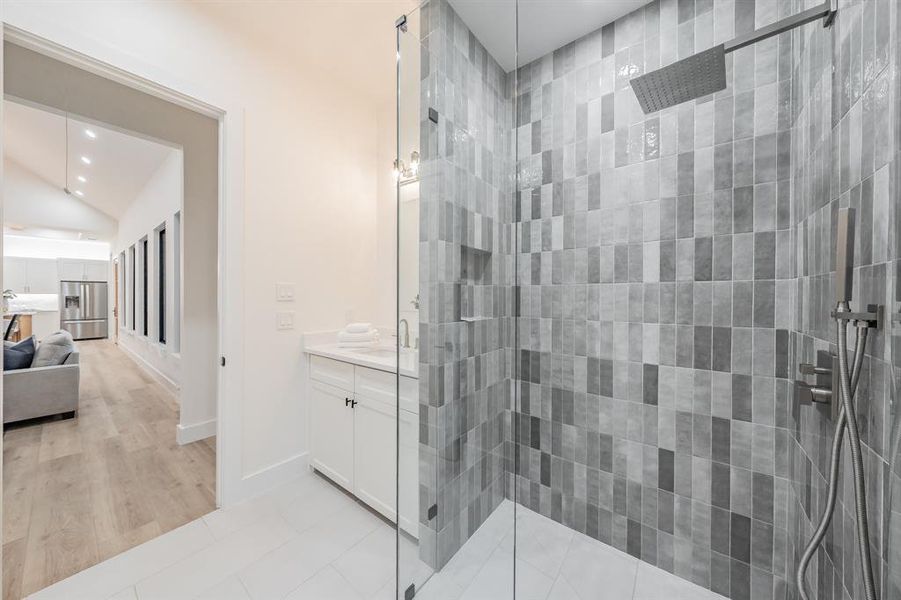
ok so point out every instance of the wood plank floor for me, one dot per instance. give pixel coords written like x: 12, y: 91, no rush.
x: 78, y: 491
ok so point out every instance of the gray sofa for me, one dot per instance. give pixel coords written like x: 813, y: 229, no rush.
x: 41, y: 391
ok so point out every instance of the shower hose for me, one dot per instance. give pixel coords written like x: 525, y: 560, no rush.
x: 847, y: 420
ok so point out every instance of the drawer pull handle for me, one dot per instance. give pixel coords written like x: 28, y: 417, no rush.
x: 347, y: 402
x: 353, y: 403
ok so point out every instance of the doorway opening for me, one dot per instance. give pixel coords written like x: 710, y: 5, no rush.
x: 110, y: 258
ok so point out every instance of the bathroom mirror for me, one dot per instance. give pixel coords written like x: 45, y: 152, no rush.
x: 408, y: 260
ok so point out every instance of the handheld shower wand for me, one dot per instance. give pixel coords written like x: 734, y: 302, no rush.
x: 847, y: 419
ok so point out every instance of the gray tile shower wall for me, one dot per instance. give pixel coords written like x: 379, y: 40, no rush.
x: 657, y: 298
x: 844, y: 153
x: 466, y: 284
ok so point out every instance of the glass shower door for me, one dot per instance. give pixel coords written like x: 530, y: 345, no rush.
x: 455, y: 298
x: 415, y: 469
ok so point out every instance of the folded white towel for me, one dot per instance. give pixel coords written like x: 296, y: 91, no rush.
x: 370, y: 336
x: 358, y: 327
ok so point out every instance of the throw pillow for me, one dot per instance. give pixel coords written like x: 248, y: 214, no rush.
x: 18, y: 356
x: 53, y: 349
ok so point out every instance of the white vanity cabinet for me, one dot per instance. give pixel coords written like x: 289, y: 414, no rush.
x: 332, y: 436
x: 353, y: 435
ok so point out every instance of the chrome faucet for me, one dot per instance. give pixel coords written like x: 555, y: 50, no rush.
x: 406, y: 342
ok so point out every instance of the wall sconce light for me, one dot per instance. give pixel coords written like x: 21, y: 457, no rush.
x: 404, y: 174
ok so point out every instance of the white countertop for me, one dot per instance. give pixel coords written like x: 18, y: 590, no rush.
x: 382, y: 357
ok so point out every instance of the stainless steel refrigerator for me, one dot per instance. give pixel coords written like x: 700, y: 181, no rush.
x: 83, y: 309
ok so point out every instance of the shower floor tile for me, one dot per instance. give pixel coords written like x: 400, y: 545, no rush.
x: 552, y: 563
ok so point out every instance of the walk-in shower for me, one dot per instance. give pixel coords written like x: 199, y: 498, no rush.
x: 633, y: 248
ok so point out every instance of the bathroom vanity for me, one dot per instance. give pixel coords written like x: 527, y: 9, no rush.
x: 353, y: 415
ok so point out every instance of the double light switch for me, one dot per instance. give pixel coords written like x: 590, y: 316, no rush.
x: 284, y: 319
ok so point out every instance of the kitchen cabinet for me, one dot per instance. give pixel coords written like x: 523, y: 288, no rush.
x: 43, y: 277
x: 30, y: 275
x: 83, y: 270
x: 96, y: 270
x: 44, y: 323
x: 354, y: 432
x: 14, y: 274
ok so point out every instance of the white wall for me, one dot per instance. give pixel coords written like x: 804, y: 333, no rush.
x: 29, y: 200
x: 307, y: 156
x: 160, y: 198
x: 157, y: 203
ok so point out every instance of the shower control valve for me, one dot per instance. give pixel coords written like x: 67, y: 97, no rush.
x: 809, y: 369
x: 820, y: 392
x: 812, y: 393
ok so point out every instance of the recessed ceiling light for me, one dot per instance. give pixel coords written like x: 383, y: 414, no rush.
x: 82, y: 179
x: 90, y: 133
x: 79, y: 193
x: 86, y: 160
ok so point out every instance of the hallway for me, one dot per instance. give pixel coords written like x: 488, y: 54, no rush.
x: 79, y: 491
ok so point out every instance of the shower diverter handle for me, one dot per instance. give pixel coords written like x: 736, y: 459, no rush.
x: 825, y: 390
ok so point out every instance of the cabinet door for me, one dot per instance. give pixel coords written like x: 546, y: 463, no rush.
x: 71, y: 270
x: 96, y: 270
x: 14, y: 277
x: 375, y: 443
x: 332, y: 434
x: 408, y: 472
x: 43, y: 276
x: 44, y: 323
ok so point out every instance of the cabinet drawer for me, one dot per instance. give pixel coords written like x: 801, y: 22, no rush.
x: 332, y: 372
x: 382, y: 386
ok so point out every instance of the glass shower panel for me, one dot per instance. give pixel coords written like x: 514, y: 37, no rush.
x: 455, y: 296
x: 416, y: 470
x: 892, y: 508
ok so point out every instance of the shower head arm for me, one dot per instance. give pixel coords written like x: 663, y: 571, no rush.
x: 823, y: 11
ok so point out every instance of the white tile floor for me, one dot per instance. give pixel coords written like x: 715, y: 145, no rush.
x: 309, y: 541
x: 552, y: 563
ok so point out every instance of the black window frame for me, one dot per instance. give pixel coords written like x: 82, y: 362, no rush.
x: 161, y: 283
x: 133, y: 259
x: 145, y: 324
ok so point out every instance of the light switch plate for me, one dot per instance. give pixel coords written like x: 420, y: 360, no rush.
x: 284, y: 319
x: 284, y: 292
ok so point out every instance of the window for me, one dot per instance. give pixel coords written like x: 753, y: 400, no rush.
x: 161, y: 287
x: 120, y: 301
x: 175, y: 335
x: 132, y: 270
x: 144, y: 284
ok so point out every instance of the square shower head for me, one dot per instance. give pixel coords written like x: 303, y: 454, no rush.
x: 693, y: 77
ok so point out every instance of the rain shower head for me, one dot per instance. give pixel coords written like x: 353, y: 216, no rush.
x: 698, y: 75
x: 704, y: 73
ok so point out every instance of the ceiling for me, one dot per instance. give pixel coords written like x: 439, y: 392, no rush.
x: 121, y: 164
x: 544, y: 25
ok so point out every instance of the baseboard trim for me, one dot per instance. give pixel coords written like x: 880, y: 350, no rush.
x: 148, y: 368
x: 267, y: 478
x: 185, y: 434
